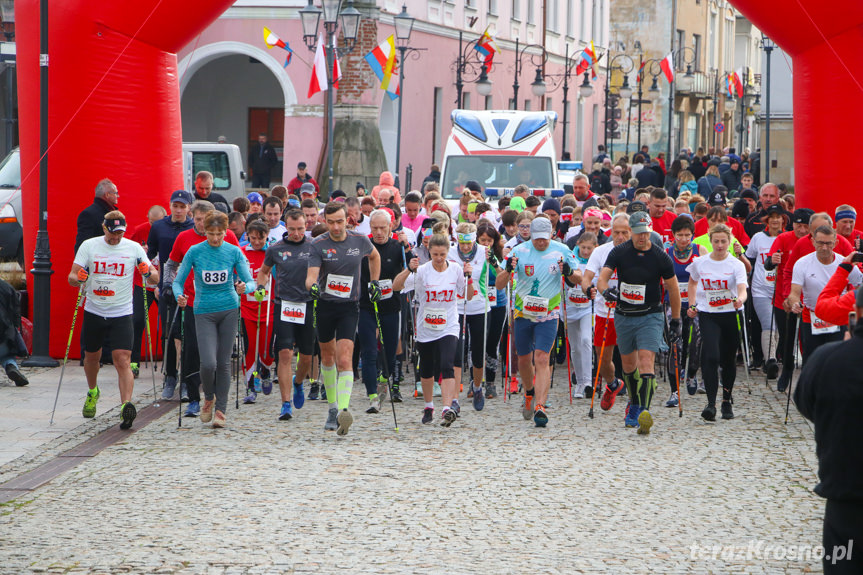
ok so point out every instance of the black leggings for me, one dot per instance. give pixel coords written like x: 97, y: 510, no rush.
x: 720, y: 338
x: 474, y: 335
x: 437, y: 357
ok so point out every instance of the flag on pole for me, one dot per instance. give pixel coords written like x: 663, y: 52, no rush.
x: 337, y: 69
x: 382, y: 61
x: 586, y: 60
x: 486, y: 46
x: 667, y: 66
x: 318, y: 81
x: 640, y: 76
x: 273, y: 41
x: 738, y: 82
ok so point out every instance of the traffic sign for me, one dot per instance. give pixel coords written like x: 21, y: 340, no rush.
x: 718, y: 127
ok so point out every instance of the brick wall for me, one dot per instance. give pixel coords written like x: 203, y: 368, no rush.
x: 356, y: 74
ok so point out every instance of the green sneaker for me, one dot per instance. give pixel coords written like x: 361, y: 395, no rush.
x: 135, y: 370
x: 90, y: 403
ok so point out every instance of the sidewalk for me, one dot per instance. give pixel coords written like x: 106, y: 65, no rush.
x: 25, y: 412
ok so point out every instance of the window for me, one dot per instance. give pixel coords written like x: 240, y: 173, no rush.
x: 569, y: 14
x: 679, y: 42
x: 495, y: 171
x: 712, y: 39
x: 528, y: 104
x: 530, y: 16
x: 465, y: 101
x: 217, y: 164
x: 492, y: 7
x: 595, y: 126
x: 511, y: 104
x: 593, y: 21
x: 578, y: 152
x: 691, y: 132
x: 436, y: 123
x: 516, y: 9
x: 583, y: 20
x: 728, y: 41
x: 551, y: 15
x: 696, y: 46
x: 566, y: 112
x: 549, y: 104
x: 488, y: 103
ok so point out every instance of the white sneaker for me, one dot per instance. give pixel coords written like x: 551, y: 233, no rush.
x: 579, y: 391
x: 374, y: 405
x: 673, y: 400
x: 701, y: 388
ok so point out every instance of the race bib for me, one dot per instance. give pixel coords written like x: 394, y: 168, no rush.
x: 720, y: 300
x: 633, y: 293
x: 770, y: 275
x: 577, y: 298
x: 215, y: 277
x: 293, y: 312
x: 684, y: 294
x: 386, y: 289
x: 434, y: 318
x: 491, y: 293
x: 339, y: 286
x: 821, y: 327
x: 534, y: 306
x: 103, y: 289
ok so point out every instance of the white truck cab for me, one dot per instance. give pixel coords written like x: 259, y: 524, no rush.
x: 224, y: 161
x: 500, y: 149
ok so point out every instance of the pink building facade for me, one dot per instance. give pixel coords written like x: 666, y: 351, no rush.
x: 233, y: 86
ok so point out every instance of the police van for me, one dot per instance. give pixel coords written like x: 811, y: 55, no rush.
x: 500, y: 149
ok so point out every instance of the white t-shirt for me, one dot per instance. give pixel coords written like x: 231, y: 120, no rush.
x: 763, y: 282
x: 476, y: 305
x: 514, y: 241
x: 595, y: 264
x: 716, y: 283
x: 276, y: 233
x: 112, y: 273
x: 437, y: 294
x: 813, y: 276
x: 577, y: 303
x: 365, y: 226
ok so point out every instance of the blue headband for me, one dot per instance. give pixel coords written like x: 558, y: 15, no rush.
x: 467, y: 238
x: 845, y: 214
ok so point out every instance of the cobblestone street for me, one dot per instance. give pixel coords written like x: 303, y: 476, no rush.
x: 491, y: 494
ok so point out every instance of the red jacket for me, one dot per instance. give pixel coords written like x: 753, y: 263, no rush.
x: 833, y: 305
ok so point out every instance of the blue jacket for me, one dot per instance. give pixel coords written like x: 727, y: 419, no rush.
x: 707, y: 183
x: 161, y: 239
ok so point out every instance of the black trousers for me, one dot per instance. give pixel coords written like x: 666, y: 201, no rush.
x: 169, y: 351
x: 720, y: 339
x: 843, y: 538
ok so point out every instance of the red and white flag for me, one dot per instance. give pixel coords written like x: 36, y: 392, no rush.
x: 337, y: 69
x: 319, y: 83
x: 667, y: 66
x: 737, y: 80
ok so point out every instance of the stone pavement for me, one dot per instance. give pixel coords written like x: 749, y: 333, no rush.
x: 492, y: 494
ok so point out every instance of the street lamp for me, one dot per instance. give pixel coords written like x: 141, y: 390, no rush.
x: 653, y: 67
x: 767, y: 45
x: 538, y: 84
x: 625, y: 91
x: 310, y: 17
x: 469, y: 68
x: 519, y: 55
x: 404, y: 25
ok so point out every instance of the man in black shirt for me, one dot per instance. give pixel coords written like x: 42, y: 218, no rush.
x: 639, y: 318
x: 204, y: 191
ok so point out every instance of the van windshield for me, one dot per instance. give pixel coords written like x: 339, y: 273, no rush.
x: 217, y: 164
x: 496, y: 172
x: 10, y: 171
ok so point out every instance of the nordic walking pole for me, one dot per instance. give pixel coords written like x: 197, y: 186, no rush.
x: 770, y: 338
x: 68, y: 345
x: 168, y: 335
x: 239, y: 360
x: 599, y: 366
x: 677, y: 378
x: 508, y: 339
x: 182, y: 362
x: 566, y: 332
x: 484, y: 283
x: 386, y: 366
x: 150, y: 344
x: 744, y: 342
x: 788, y: 401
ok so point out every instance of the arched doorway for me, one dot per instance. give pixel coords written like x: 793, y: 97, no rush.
x: 235, y: 90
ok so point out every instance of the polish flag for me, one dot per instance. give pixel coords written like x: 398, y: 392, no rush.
x: 318, y: 82
x: 667, y: 66
x: 337, y: 69
x: 737, y: 79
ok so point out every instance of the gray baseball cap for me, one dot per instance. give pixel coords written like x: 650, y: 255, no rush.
x: 540, y: 229
x: 640, y: 222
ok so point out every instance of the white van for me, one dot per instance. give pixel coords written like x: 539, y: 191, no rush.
x: 500, y: 149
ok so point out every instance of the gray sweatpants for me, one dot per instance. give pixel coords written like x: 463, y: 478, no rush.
x: 216, y: 334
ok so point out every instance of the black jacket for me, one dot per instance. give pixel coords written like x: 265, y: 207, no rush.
x: 731, y: 179
x: 163, y: 233
x: 646, y: 177
x: 216, y: 199
x: 262, y: 162
x: 830, y: 394
x: 90, y: 221
x: 10, y: 320
x: 600, y: 182
x: 434, y: 176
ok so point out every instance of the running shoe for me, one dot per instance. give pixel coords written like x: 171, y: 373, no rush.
x: 170, y: 387
x: 267, y: 385
x: 332, y: 416
x: 578, y: 392
x: 691, y: 386
x: 631, y: 417
x: 490, y: 391
x: 207, y: 410
x: 436, y: 392
x: 448, y: 417
x: 299, y: 394
x: 251, y: 397
x: 513, y: 385
x: 382, y: 390
x: 610, y: 394
x: 701, y: 388
x: 193, y: 409
x: 13, y: 373
x: 184, y: 393
x: 588, y: 391
x: 314, y: 390
x: 344, y: 419
x: 287, y: 412
x: 219, y: 420
x: 645, y: 422
x: 135, y: 371
x: 727, y: 412
x: 128, y: 413
x: 428, y: 415
x: 527, y: 407
x: 540, y: 419
x: 478, y: 399
x: 673, y: 400
x: 90, y: 402
x: 374, y: 404
x: 323, y: 392
x: 456, y: 406
x: 783, y: 381
x: 397, y: 394
x: 709, y: 413
x: 256, y: 382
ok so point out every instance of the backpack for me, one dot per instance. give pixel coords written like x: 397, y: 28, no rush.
x: 596, y: 183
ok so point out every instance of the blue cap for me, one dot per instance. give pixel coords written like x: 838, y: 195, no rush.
x: 182, y: 196
x: 293, y: 202
x: 255, y: 198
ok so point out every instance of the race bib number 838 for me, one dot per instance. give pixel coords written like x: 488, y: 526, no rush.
x: 215, y: 277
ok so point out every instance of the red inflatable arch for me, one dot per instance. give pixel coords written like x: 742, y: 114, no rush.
x: 824, y: 38
x: 129, y: 129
